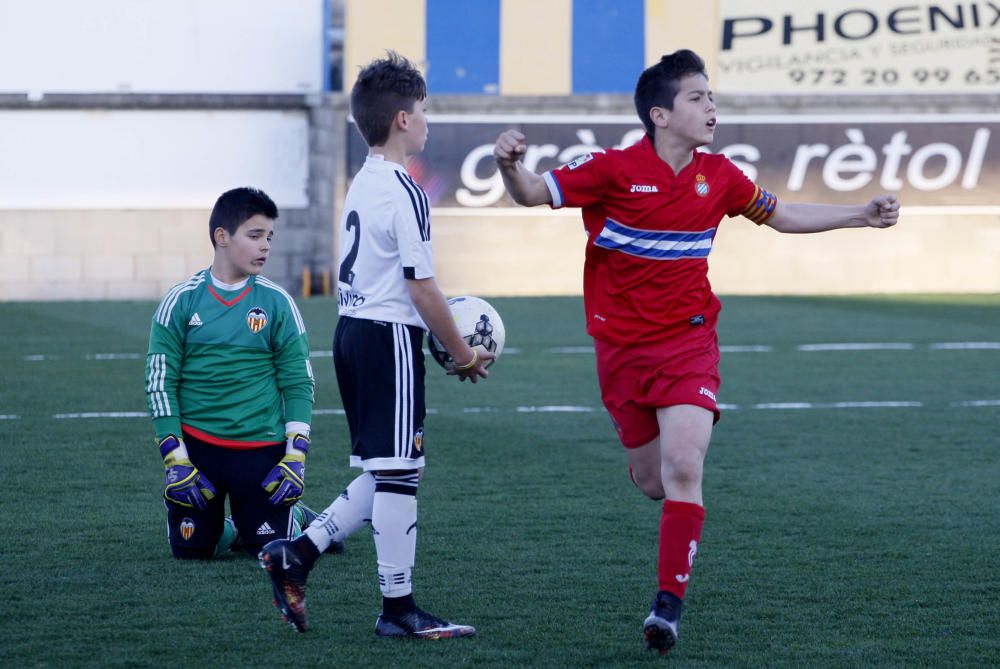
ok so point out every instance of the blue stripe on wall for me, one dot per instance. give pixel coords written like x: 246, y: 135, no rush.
x: 463, y: 46
x: 609, y: 45
x: 327, y: 84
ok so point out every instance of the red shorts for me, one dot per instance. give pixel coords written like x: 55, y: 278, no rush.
x: 636, y: 380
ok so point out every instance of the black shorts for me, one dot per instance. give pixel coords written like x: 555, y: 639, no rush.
x: 380, y: 372
x: 238, y: 475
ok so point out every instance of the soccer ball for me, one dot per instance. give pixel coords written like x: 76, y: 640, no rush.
x: 478, y: 323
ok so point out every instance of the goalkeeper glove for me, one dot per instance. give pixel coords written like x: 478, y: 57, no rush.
x: 288, y: 478
x: 183, y: 484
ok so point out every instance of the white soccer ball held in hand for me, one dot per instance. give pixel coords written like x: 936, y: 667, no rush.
x: 478, y: 323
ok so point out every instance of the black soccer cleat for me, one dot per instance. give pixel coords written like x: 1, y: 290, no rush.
x: 660, y: 627
x: 288, y: 572
x: 419, y: 624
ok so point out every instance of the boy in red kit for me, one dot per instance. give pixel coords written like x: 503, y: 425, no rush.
x: 651, y: 212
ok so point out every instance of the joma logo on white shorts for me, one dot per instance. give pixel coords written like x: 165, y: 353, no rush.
x: 707, y: 393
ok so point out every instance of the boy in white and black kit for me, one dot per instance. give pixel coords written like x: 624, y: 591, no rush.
x: 388, y: 297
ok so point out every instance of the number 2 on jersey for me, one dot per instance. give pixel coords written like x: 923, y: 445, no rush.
x: 346, y: 267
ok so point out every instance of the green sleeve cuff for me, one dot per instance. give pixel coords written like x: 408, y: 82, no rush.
x: 298, y: 410
x: 167, y: 425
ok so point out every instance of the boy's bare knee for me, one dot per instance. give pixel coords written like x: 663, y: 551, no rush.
x: 684, y: 471
x: 649, y: 483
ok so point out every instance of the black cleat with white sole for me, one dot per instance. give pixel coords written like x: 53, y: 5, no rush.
x: 660, y: 627
x: 419, y: 624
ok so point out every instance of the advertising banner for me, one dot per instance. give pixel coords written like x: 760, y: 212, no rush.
x: 929, y: 160
x: 882, y: 46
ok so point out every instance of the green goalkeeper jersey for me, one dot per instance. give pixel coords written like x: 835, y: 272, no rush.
x: 231, y: 366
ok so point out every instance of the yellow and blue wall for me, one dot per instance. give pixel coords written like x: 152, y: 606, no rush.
x: 527, y: 47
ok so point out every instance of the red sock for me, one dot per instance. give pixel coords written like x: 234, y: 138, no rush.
x: 680, y: 532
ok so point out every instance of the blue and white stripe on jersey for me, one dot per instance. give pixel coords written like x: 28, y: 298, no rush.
x: 166, y: 307
x: 405, y: 400
x: 554, y: 190
x: 655, y: 244
x: 159, y: 401
x: 421, y: 207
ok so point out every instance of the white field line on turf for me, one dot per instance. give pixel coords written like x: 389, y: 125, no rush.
x: 964, y: 345
x: 822, y: 347
x: 863, y: 346
x: 576, y: 350
x: 114, y: 356
x: 108, y: 414
x: 556, y: 409
x: 570, y: 350
x: 511, y: 350
x: 568, y: 408
x: 837, y: 405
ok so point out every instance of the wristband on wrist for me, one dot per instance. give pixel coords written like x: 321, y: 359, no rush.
x: 469, y: 365
x: 171, y: 444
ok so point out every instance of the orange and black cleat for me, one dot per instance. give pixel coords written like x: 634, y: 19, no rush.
x: 288, y: 571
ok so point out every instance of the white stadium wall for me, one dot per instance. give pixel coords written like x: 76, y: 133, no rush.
x: 100, y: 159
x: 114, y: 204
x: 181, y: 46
x: 122, y: 122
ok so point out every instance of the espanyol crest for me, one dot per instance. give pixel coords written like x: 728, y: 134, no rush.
x: 256, y: 319
x: 701, y: 186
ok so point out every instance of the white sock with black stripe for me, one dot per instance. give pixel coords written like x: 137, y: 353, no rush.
x: 394, y: 525
x: 348, y: 513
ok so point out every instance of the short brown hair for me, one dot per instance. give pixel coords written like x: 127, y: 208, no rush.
x: 384, y: 87
x: 659, y: 83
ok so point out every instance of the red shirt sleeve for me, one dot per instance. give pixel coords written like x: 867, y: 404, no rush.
x: 580, y: 183
x: 745, y: 198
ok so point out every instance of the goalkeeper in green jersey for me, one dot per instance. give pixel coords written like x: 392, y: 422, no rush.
x: 230, y: 390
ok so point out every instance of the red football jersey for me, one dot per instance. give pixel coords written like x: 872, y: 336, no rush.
x: 649, y: 235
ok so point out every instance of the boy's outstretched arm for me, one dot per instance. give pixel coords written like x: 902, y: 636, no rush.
x: 524, y: 186
x: 881, y: 212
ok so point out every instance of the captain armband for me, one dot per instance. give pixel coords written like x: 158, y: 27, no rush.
x: 761, y: 206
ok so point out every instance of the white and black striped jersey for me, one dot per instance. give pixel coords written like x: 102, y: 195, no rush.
x: 385, y: 239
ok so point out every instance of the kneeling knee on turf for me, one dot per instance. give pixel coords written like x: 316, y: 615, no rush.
x: 193, y: 552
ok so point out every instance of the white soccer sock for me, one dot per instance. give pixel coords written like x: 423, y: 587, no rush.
x: 349, y: 512
x: 394, y: 524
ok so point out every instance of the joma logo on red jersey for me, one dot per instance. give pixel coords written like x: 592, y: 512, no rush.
x: 638, y: 188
